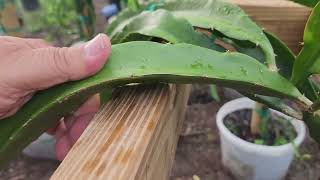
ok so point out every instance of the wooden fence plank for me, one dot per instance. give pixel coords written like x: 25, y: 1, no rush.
x: 134, y: 136
x: 285, y: 19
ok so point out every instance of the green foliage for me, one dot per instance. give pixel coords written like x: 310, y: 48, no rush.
x: 57, y: 19
x: 222, y: 16
x: 274, y: 103
x: 214, y: 92
x: 274, y: 128
x: 308, y: 60
x: 86, y: 18
x: 133, y: 5
x: 259, y: 141
x: 208, y: 14
x: 309, y: 3
x: 280, y: 140
x: 105, y: 96
x: 265, y: 115
x: 298, y: 155
x: 58, y: 12
x: 162, y: 24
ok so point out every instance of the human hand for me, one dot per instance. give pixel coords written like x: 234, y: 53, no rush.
x: 30, y: 65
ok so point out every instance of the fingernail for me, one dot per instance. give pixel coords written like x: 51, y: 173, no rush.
x: 96, y: 46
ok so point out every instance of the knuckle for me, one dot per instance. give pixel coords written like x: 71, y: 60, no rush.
x: 61, y: 62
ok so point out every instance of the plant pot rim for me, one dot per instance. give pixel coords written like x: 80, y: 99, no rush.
x: 246, y: 103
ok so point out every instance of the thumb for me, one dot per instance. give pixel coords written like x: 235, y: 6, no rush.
x: 45, y: 67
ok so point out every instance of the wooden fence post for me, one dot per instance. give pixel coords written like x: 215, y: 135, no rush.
x: 134, y: 136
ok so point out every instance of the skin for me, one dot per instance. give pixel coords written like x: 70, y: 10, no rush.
x: 30, y: 65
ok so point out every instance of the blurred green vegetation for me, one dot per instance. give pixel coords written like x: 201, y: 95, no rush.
x: 55, y: 20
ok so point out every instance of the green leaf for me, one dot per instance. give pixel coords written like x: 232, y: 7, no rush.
x: 284, y: 56
x: 264, y: 114
x: 123, y: 18
x: 225, y: 17
x: 214, y: 92
x: 312, y: 120
x: 274, y: 103
x: 259, y: 141
x: 311, y: 89
x: 133, y: 63
x: 105, y: 95
x: 308, y: 60
x: 309, y: 3
x: 280, y: 140
x: 162, y: 24
x: 133, y: 5
x: 247, y: 48
x: 285, y: 61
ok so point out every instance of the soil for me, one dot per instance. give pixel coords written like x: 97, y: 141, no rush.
x: 278, y: 130
x: 198, y: 154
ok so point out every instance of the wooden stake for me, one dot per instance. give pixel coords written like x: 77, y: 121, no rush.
x: 134, y: 136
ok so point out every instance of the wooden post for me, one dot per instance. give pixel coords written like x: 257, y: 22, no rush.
x: 134, y: 136
x: 285, y: 19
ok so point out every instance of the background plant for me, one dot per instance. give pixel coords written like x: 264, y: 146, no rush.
x: 62, y: 21
x: 309, y: 3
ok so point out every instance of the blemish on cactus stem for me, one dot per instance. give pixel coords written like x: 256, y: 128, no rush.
x: 243, y: 70
x: 142, y: 67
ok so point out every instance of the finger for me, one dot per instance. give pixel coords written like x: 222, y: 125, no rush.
x: 91, y: 106
x: 45, y: 67
x: 61, y: 129
x: 25, y: 42
x: 66, y: 138
x: 63, y: 146
x: 78, y: 127
x: 82, y: 117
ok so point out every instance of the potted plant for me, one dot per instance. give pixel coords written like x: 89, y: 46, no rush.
x: 183, y: 41
x: 263, y: 156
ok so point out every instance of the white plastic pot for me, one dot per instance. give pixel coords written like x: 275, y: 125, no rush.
x: 250, y: 161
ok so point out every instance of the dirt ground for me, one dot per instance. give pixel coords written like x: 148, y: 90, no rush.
x: 198, y: 153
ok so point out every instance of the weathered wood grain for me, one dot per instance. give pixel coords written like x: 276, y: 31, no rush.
x: 285, y: 19
x: 134, y: 136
